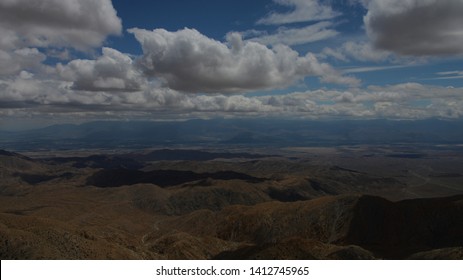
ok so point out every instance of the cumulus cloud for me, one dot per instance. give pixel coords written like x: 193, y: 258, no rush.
x: 25, y: 90
x: 79, y: 24
x: 113, y: 71
x: 13, y: 62
x: 175, y: 64
x: 302, y: 11
x: 297, y: 36
x: 42, y: 97
x: 401, y: 101
x: 191, y: 62
x: 410, y: 27
x: 31, y: 31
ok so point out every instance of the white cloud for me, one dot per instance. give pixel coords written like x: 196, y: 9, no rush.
x: 328, y: 74
x: 113, y: 71
x: 363, y: 51
x: 13, y: 62
x: 302, y: 11
x: 42, y: 97
x: 372, y: 68
x: 410, y: 27
x: 79, y: 24
x: 51, y: 26
x: 360, y: 51
x: 297, y: 36
x: 191, y: 62
x: 445, y: 73
x: 25, y: 90
x: 337, y: 54
x: 449, y: 75
x: 176, y: 64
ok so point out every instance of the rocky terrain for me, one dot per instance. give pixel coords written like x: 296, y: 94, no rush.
x: 225, y: 206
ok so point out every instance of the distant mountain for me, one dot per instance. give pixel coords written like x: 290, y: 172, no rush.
x: 249, y: 132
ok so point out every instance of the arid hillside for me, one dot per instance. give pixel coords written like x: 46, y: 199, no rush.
x: 94, y: 207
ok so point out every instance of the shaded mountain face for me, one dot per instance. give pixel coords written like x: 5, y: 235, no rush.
x: 164, y: 178
x: 11, y: 154
x: 98, y: 161
x: 14, y: 161
x: 264, y: 208
x: 395, y: 230
x: 16, y: 169
x: 348, y: 227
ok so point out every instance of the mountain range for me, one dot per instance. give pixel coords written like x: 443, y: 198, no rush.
x: 236, y: 207
x: 234, y: 132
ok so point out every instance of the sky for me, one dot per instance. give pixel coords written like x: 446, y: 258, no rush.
x: 75, y: 61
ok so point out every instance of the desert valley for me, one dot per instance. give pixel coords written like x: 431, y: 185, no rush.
x: 339, y: 202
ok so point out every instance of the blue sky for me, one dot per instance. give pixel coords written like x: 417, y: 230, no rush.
x: 75, y: 61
